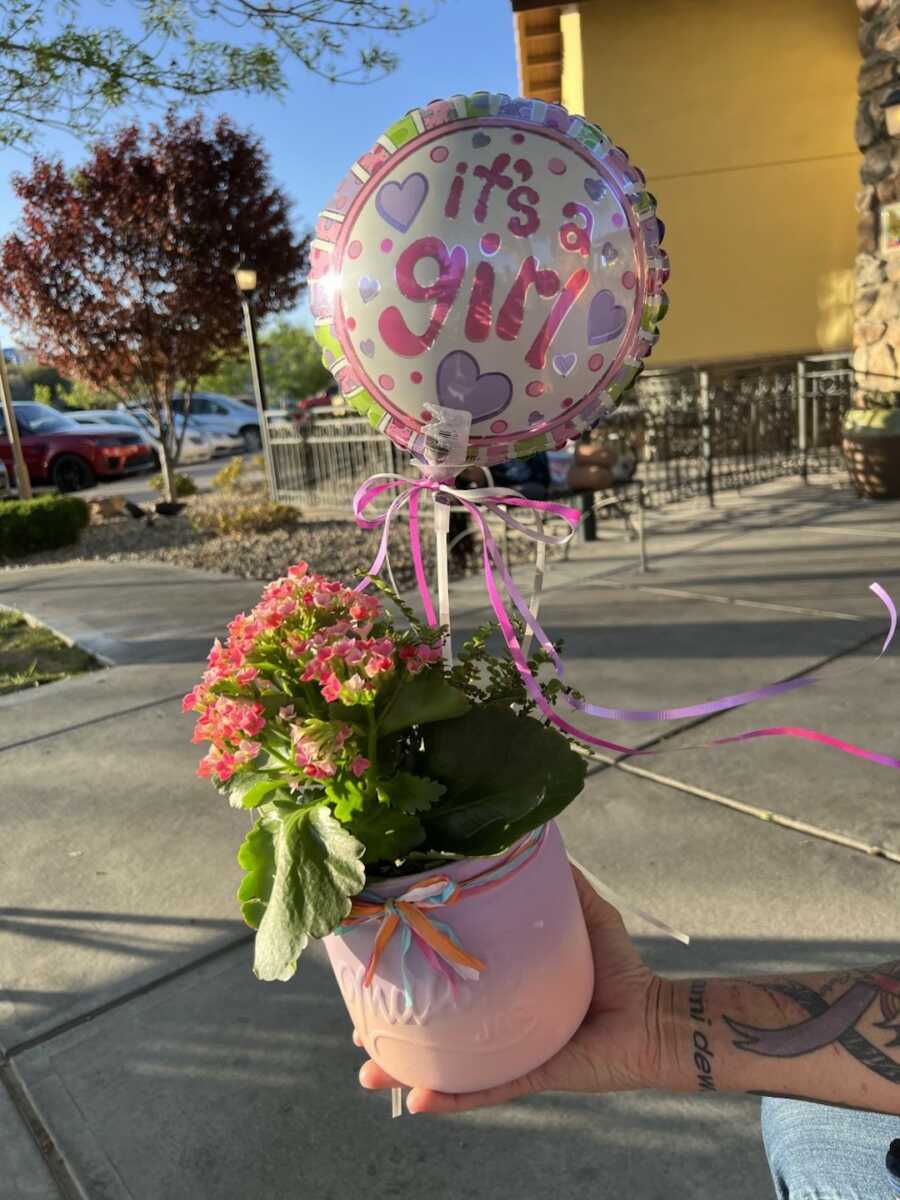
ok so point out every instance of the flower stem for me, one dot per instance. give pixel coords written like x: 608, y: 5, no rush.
x: 372, y: 754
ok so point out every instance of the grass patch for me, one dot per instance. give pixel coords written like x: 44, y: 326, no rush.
x: 31, y: 655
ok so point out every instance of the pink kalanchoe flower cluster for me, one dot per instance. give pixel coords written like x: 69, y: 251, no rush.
x: 320, y: 748
x: 321, y: 633
x: 230, y: 725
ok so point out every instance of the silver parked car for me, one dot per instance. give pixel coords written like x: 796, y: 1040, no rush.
x: 221, y: 415
x: 195, y: 446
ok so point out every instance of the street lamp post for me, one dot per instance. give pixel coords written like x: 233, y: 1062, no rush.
x: 23, y: 481
x: 246, y: 278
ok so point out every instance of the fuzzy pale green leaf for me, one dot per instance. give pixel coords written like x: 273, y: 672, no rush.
x: 317, y: 869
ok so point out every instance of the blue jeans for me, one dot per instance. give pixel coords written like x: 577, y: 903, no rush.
x: 817, y: 1152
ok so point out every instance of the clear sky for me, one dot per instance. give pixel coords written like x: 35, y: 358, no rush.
x: 319, y: 129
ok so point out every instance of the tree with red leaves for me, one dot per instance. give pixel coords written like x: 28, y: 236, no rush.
x: 120, y: 272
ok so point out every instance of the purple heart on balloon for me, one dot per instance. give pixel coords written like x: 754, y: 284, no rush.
x: 608, y: 254
x: 534, y: 417
x: 606, y: 319
x: 595, y: 188
x: 368, y: 288
x: 564, y: 364
x: 399, y: 203
x: 480, y: 140
x: 460, y: 384
x: 367, y: 347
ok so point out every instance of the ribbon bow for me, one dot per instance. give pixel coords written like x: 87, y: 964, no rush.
x: 435, y: 939
x: 498, y: 501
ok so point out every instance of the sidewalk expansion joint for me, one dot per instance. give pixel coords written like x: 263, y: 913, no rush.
x: 111, y: 716
x: 120, y: 1001
x: 605, y: 762
x: 47, y: 1148
x: 715, y: 598
x: 751, y: 810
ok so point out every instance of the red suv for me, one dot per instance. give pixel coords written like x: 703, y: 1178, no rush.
x: 58, y: 450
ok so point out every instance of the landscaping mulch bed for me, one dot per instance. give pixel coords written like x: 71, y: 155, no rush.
x: 333, y: 547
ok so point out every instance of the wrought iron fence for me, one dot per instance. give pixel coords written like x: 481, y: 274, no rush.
x: 319, y: 465
x: 692, y: 432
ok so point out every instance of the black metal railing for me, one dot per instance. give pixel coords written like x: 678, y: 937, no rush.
x: 699, y: 432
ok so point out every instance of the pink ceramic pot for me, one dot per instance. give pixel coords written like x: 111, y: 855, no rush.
x: 530, y: 933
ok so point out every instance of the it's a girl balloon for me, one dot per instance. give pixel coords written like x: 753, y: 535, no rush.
x: 492, y: 256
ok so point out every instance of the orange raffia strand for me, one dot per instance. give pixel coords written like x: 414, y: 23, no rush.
x: 385, y: 933
x: 437, y: 940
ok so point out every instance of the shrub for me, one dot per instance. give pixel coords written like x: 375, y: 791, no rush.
x: 184, y: 485
x: 228, y: 478
x: 248, y: 516
x: 28, y: 526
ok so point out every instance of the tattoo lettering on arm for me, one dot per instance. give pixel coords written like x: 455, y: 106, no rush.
x: 700, y: 1026
x: 833, y: 1023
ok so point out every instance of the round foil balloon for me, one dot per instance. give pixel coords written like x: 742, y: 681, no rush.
x: 490, y: 260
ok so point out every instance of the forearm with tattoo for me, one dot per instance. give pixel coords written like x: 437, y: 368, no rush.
x: 832, y: 1038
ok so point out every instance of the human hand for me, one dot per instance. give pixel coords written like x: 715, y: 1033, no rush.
x: 617, y: 1048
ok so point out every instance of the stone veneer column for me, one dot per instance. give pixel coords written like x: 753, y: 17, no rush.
x: 876, y: 329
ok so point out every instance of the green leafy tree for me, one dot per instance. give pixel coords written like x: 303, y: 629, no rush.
x: 229, y: 375
x: 64, y: 70
x: 292, y: 361
x: 47, y: 385
x: 292, y: 365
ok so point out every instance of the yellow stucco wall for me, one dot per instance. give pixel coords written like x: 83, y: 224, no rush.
x: 740, y: 113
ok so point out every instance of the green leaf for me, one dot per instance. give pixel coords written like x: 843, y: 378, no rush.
x: 317, y: 870
x: 251, y: 789
x: 425, y: 698
x: 347, y: 796
x: 411, y: 793
x: 257, y: 857
x: 387, y: 833
x: 504, y: 775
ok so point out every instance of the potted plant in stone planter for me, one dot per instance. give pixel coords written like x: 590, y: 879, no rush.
x: 404, y: 815
x: 871, y: 446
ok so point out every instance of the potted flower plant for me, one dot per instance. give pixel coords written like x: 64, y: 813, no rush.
x: 871, y: 445
x: 404, y: 815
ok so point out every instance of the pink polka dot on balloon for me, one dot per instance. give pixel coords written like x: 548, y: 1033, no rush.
x: 628, y: 279
x: 490, y: 243
x: 518, y: 138
x: 386, y: 382
x: 415, y: 376
x: 535, y: 388
x: 499, y: 427
x: 556, y: 166
x: 439, y: 154
x: 354, y: 250
x: 596, y: 361
x: 618, y: 220
x: 426, y: 415
x: 351, y: 323
x: 568, y: 402
x: 387, y: 245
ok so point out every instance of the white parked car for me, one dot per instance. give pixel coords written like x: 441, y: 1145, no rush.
x: 217, y: 414
x: 195, y: 445
x: 5, y: 485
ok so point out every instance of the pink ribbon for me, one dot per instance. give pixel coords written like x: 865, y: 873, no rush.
x: 496, y: 501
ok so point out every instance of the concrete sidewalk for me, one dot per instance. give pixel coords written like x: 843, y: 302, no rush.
x: 141, y: 1058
